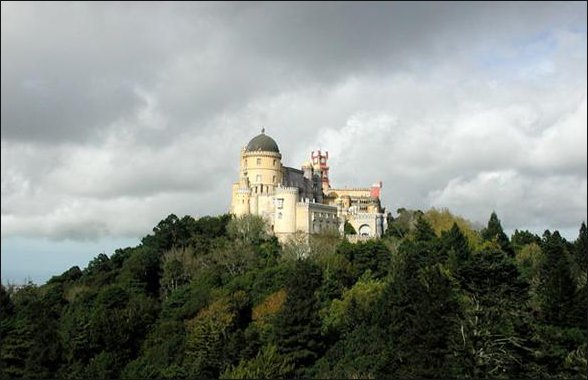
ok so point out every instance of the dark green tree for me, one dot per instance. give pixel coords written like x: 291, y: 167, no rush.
x: 418, y: 312
x: 372, y: 255
x: 424, y: 231
x: 581, y: 248
x: 348, y: 229
x: 494, y: 232
x: 454, y: 246
x: 298, y: 326
x: 521, y: 238
x: 557, y: 286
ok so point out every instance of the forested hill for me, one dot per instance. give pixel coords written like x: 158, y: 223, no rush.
x: 218, y: 297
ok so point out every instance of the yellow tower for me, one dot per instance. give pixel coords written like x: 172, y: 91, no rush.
x: 260, y: 174
x: 261, y: 164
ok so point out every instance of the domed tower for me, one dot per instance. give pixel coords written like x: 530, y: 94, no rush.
x: 261, y: 164
x: 260, y: 174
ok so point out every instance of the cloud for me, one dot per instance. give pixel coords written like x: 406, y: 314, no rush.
x: 115, y: 115
x: 521, y: 201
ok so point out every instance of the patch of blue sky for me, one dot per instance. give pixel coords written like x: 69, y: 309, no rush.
x: 531, y: 58
x: 37, y: 260
x: 519, y: 54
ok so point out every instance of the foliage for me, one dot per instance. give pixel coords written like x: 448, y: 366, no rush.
x: 268, y: 364
x: 251, y: 229
x: 403, y: 224
x: 494, y: 233
x: 443, y: 220
x: 298, y: 324
x: 220, y: 297
x: 356, y: 305
x: 348, y: 229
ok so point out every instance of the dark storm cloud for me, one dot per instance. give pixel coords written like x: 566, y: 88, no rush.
x: 69, y: 69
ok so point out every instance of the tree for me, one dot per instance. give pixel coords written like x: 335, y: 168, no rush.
x: 141, y: 271
x: 268, y: 364
x: 492, y: 336
x: 348, y: 229
x: 521, y: 238
x: 581, y: 248
x: 296, y: 247
x: 557, y: 286
x: 251, y: 229
x: 423, y: 230
x: 370, y: 255
x: 298, y: 326
x: 494, y: 232
x: 455, y: 241
x: 417, y: 310
x: 443, y: 220
x: 355, y: 306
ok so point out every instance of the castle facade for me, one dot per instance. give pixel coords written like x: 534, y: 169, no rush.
x: 301, y: 200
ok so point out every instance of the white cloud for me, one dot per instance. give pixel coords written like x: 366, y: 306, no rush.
x: 115, y: 115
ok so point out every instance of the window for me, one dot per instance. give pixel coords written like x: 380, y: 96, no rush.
x: 274, y: 162
x: 364, y: 230
x: 259, y: 161
x: 258, y: 178
x: 274, y: 179
x: 279, y: 215
x: 245, y: 162
x: 280, y: 203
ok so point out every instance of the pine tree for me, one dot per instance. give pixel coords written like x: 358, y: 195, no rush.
x: 417, y: 311
x: 494, y: 232
x: 581, y: 248
x: 424, y: 231
x: 298, y: 326
x: 557, y: 286
x: 455, y: 241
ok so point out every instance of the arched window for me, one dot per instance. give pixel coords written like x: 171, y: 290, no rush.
x: 365, y: 230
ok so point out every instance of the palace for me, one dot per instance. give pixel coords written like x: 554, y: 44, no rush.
x: 293, y: 200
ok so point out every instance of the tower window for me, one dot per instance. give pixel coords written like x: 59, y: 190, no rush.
x: 274, y: 162
x: 274, y: 179
x: 280, y: 203
x: 259, y: 161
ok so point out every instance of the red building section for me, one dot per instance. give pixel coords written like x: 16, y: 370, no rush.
x: 376, y: 189
x: 319, y: 159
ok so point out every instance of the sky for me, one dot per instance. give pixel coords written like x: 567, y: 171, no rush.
x: 117, y: 114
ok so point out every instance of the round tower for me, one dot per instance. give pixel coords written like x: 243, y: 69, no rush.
x: 285, y: 210
x: 261, y: 164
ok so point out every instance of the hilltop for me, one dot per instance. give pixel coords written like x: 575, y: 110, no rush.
x: 220, y: 297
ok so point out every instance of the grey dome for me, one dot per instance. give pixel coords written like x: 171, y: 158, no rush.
x: 262, y: 143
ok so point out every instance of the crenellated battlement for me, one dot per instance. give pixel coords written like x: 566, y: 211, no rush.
x: 286, y: 190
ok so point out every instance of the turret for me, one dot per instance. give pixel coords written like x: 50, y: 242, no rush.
x: 319, y: 163
x: 262, y: 164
